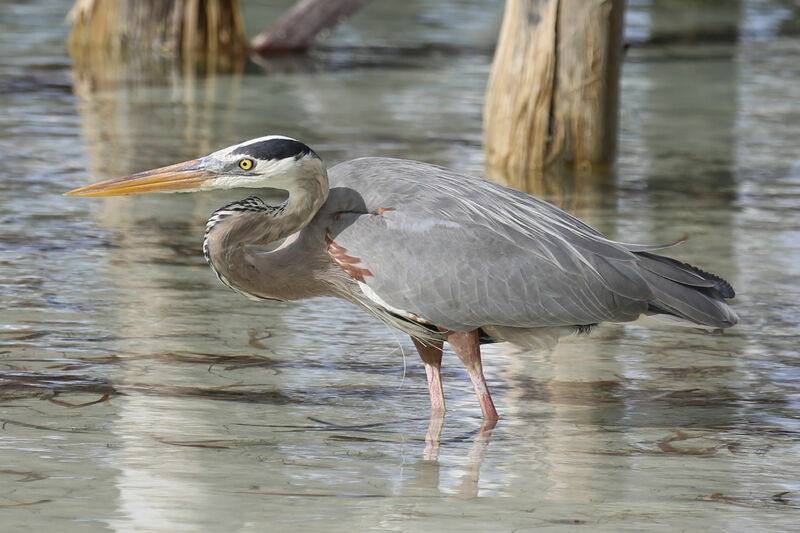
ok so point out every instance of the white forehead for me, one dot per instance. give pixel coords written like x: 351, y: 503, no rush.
x: 226, y: 154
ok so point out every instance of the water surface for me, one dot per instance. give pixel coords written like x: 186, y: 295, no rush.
x: 138, y: 394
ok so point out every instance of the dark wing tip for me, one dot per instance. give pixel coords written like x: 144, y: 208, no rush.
x: 721, y: 285
x: 677, y: 270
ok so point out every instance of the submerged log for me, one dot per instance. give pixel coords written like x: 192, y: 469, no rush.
x: 554, y: 87
x: 303, y: 25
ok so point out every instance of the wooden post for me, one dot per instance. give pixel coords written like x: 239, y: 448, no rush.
x: 554, y: 86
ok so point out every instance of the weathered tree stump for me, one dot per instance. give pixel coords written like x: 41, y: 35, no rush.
x: 205, y: 30
x: 553, y: 90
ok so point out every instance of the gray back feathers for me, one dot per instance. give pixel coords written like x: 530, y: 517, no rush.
x: 463, y: 252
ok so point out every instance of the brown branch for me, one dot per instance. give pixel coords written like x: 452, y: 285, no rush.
x: 303, y: 25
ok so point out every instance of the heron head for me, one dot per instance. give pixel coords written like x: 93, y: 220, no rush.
x: 274, y: 162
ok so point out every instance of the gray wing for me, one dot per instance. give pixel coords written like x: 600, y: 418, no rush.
x: 462, y: 252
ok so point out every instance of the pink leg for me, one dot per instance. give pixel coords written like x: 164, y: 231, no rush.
x: 468, y: 348
x: 431, y: 354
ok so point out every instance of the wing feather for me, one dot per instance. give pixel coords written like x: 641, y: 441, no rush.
x: 465, y: 276
x: 462, y: 252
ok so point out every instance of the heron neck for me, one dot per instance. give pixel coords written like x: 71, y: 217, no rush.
x: 297, y: 211
x: 307, y: 186
x: 234, y: 243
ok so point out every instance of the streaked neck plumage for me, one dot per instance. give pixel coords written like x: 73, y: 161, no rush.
x: 233, y: 232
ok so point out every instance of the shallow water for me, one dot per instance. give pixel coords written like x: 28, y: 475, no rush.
x: 138, y: 394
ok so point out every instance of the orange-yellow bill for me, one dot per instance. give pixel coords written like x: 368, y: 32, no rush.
x: 186, y: 176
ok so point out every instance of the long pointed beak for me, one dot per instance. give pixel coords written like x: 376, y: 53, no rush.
x: 181, y: 177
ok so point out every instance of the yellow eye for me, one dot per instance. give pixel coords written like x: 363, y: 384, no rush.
x: 246, y: 164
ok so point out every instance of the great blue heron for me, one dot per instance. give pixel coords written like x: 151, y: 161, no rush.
x: 440, y: 255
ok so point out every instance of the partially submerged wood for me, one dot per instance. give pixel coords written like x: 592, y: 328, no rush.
x: 554, y: 86
x: 303, y: 25
x: 195, y: 30
x: 198, y: 32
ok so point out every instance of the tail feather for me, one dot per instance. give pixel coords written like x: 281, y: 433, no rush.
x: 684, y: 273
x: 684, y: 291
